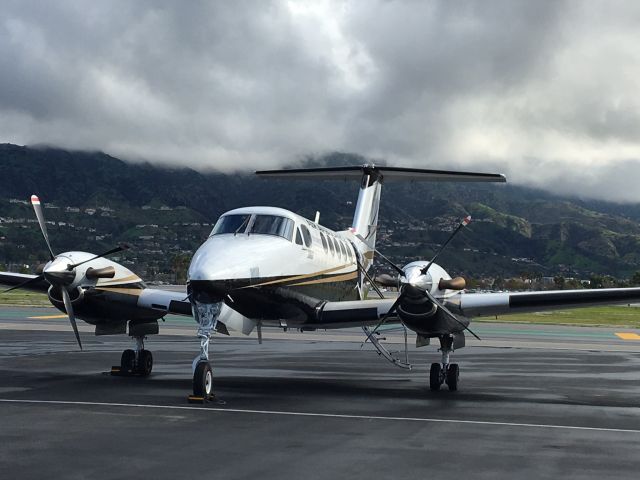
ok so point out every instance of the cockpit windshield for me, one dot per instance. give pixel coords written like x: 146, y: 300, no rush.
x: 259, y: 224
x: 272, y: 225
x: 231, y: 224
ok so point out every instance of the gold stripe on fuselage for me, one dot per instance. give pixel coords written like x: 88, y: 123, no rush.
x: 300, y: 277
x: 129, y: 279
x: 122, y: 291
x: 334, y: 278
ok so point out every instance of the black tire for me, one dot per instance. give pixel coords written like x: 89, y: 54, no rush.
x: 434, y: 377
x: 453, y: 373
x: 128, y: 361
x: 145, y: 365
x: 203, y: 379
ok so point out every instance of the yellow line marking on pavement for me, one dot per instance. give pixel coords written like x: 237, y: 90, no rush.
x: 46, y: 317
x: 628, y: 336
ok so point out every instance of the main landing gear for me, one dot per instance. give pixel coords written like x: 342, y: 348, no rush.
x: 445, y: 371
x: 206, y: 314
x: 137, y: 362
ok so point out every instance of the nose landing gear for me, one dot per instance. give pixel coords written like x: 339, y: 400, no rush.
x: 206, y: 314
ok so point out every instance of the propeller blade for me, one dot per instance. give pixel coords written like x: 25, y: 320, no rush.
x: 384, y: 319
x: 72, y: 319
x: 449, y: 314
x: 24, y: 284
x: 395, y: 267
x: 366, y: 275
x: 465, y: 221
x: 119, y: 248
x: 386, y: 280
x: 35, y: 201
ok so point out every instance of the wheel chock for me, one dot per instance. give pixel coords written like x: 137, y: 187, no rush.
x: 117, y: 371
x: 201, y: 400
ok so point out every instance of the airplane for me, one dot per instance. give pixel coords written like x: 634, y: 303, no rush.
x: 266, y: 266
x: 278, y: 268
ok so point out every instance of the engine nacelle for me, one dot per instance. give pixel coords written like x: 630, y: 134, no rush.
x: 55, y: 296
x: 416, y: 310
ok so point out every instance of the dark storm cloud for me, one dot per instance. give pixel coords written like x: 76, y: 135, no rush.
x: 543, y: 91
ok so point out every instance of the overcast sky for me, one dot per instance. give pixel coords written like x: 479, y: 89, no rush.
x: 545, y: 92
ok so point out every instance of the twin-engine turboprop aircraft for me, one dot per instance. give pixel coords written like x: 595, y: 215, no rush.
x: 277, y: 268
x: 265, y: 266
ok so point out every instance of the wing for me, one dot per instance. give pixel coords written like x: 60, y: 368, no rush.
x: 11, y: 279
x: 369, y: 312
x: 355, y: 313
x: 489, y: 304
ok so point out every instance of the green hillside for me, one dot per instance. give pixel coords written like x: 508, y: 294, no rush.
x: 94, y: 201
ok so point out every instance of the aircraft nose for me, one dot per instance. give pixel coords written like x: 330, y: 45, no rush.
x: 226, y: 263
x: 208, y: 263
x: 210, y: 270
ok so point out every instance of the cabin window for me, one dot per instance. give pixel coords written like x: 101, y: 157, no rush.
x: 231, y: 224
x: 306, y: 235
x: 298, y: 236
x: 324, y: 242
x: 342, y: 250
x: 272, y: 225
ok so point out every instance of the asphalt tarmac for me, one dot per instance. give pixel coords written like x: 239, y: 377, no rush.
x: 533, y: 402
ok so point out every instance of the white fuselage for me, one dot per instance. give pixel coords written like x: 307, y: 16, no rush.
x: 257, y: 256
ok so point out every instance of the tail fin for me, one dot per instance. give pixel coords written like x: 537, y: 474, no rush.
x: 365, y: 218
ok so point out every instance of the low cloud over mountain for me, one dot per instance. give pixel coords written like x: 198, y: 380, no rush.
x: 543, y: 91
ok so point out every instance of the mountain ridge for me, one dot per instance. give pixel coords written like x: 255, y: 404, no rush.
x: 515, y: 229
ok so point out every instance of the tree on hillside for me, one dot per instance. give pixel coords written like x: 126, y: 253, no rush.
x: 180, y: 264
x: 559, y: 282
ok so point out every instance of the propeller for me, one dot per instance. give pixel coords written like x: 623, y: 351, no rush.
x: 72, y: 318
x: 24, y: 284
x: 368, y: 277
x: 449, y: 314
x: 465, y: 221
x: 458, y: 283
x: 119, y: 248
x: 35, y: 201
x: 60, y: 275
x: 386, y: 280
x: 390, y: 312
